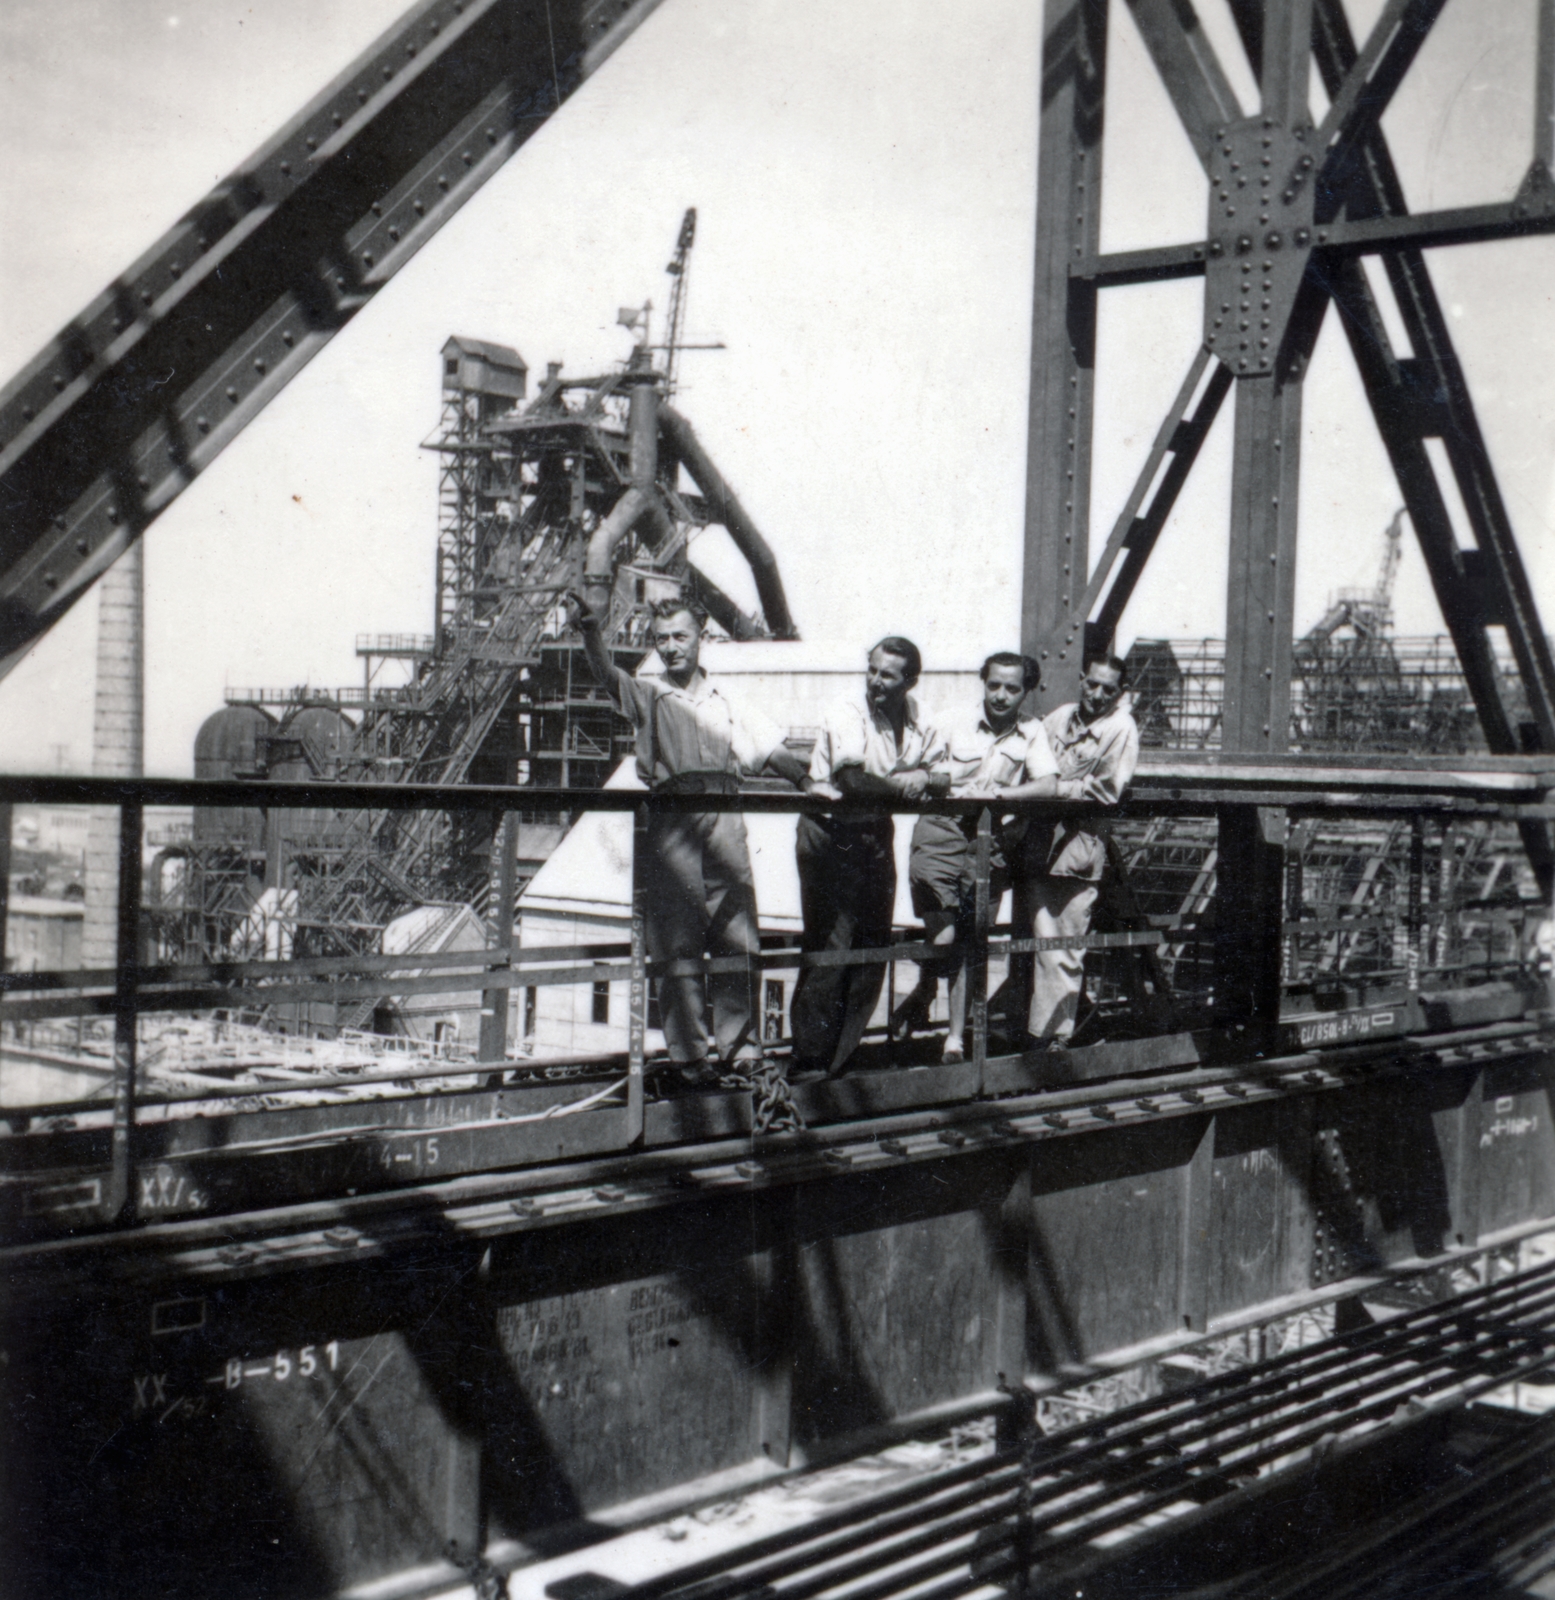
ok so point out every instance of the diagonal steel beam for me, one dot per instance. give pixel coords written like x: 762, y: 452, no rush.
x: 1141, y: 540
x: 1139, y: 524
x: 1369, y: 85
x: 1189, y: 68
x: 1427, y: 396
x: 1496, y: 590
x: 129, y: 403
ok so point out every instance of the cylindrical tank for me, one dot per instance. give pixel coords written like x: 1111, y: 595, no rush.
x: 310, y: 745
x: 227, y: 746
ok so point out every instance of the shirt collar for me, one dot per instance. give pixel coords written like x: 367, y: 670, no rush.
x: 700, y: 687
x: 909, y: 722
x: 1078, y: 727
x: 1019, y: 725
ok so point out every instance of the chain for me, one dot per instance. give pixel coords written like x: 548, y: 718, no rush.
x: 772, y: 1100
x: 487, y: 1582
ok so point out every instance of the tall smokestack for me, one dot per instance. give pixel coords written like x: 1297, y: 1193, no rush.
x: 118, y: 741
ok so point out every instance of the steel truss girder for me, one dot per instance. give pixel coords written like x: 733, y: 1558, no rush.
x: 1359, y: 209
x: 1297, y: 206
x: 143, y: 389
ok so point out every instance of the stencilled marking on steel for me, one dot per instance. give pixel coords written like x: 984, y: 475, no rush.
x: 85, y: 1195
x: 156, y: 1399
x: 1341, y: 1025
x: 1508, y: 1128
x: 281, y: 1367
x: 165, y: 1190
x: 408, y: 1158
x: 183, y: 1315
x: 654, y: 1312
x: 550, y: 1349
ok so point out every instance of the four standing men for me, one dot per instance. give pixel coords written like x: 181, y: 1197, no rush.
x: 692, y: 738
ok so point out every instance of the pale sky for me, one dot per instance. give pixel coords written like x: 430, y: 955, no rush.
x: 864, y: 176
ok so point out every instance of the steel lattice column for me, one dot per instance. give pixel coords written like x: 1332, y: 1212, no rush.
x: 1260, y: 595
x: 1063, y: 341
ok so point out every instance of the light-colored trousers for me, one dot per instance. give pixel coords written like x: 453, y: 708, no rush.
x: 1057, y: 908
x: 701, y: 900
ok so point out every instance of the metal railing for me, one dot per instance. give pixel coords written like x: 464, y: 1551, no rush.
x: 1342, y: 917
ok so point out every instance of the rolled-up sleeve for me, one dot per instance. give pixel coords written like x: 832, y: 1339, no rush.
x: 1115, y: 763
x: 1040, y: 760
x: 843, y: 743
x: 633, y: 696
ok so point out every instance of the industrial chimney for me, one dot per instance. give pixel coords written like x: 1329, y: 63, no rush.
x: 118, y: 741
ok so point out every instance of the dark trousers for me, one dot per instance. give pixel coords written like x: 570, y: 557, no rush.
x: 700, y: 899
x: 943, y: 879
x: 847, y: 890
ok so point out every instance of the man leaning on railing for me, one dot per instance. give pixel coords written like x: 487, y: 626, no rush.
x: 873, y: 745
x: 1096, y: 745
x: 693, y: 738
x: 988, y: 752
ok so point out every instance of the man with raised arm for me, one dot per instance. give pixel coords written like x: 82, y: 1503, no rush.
x: 875, y: 746
x: 692, y: 738
x: 990, y: 753
x: 1096, y: 745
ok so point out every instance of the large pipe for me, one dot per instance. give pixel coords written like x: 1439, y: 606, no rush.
x: 721, y: 608
x: 727, y: 510
x: 598, y: 573
x: 642, y: 420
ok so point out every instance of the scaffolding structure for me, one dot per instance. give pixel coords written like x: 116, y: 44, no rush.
x: 1356, y: 691
x: 1367, y: 904
x: 529, y: 490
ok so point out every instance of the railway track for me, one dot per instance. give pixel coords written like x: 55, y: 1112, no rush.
x: 698, y: 1144
x: 1154, y: 1486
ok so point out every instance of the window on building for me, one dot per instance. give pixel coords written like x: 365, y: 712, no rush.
x: 772, y: 1010
x: 602, y: 1001
x: 531, y: 1006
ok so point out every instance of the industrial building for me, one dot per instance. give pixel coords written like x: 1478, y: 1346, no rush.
x: 358, y: 1235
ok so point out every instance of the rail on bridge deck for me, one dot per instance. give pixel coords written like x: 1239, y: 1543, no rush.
x: 498, y: 1301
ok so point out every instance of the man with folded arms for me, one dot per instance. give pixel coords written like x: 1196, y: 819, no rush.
x: 692, y: 738
x: 1096, y: 745
x: 991, y: 753
x: 875, y: 746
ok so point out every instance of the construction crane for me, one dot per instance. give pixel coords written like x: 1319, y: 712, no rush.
x: 580, y: 479
x: 680, y: 270
x: 1368, y: 611
x: 640, y: 318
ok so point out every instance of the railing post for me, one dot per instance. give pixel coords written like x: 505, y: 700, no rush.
x: 977, y: 956
x: 637, y: 1012
x: 119, y: 1206
x: 1295, y: 896
x: 494, y: 1002
x: 5, y: 875
x: 1414, y: 914
x: 1249, y: 937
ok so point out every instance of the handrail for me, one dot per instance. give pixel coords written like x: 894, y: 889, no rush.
x: 1222, y: 791
x: 1512, y: 790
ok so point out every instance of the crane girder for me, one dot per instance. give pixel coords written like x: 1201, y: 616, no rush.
x: 142, y: 390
